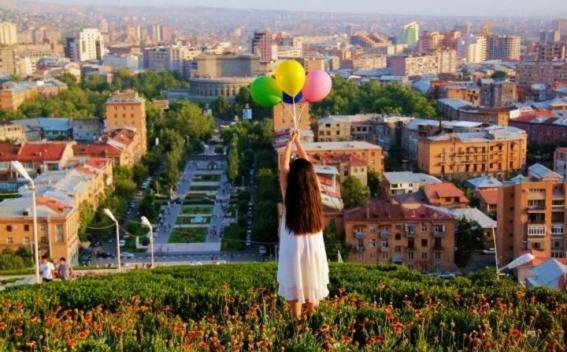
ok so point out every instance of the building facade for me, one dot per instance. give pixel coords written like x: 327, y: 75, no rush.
x: 414, y: 235
x: 128, y: 109
x: 496, y: 151
x: 85, y: 45
x: 503, y: 47
x: 8, y: 33
x: 560, y: 162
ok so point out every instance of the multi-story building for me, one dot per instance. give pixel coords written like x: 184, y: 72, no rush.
x: 504, y: 47
x: 128, y: 109
x: 461, y: 110
x: 543, y: 126
x: 415, y: 235
x: 37, y: 157
x: 550, y: 51
x: 216, y: 66
x: 263, y: 44
x: 374, y: 128
x: 467, y: 91
x: 14, y: 94
x: 57, y: 222
x: 369, y: 153
x: 439, y: 61
x: 85, y: 45
x: 496, y: 151
x: 546, y: 72
x: 404, y: 182
x: 531, y: 215
x: 560, y: 162
x: 497, y: 93
x: 410, y: 33
x: 472, y: 49
x: 168, y: 57
x: 346, y: 165
x: 8, y: 33
x: 11, y: 133
x: 429, y: 41
x: 283, y: 118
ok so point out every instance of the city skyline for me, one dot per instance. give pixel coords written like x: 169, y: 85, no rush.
x: 507, y: 8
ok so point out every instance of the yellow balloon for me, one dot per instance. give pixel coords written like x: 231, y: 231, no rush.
x: 290, y: 76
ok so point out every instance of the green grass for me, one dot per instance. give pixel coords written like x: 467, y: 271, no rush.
x: 233, y: 239
x: 181, y: 235
x: 197, y: 209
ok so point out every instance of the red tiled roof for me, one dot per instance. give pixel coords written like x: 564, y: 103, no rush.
x: 434, y: 192
x: 96, y: 150
x: 387, y: 211
x: 9, y: 152
x: 43, y: 151
x: 488, y: 196
x: 55, y: 205
x: 97, y: 163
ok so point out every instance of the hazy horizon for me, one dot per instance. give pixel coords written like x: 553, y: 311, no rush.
x: 491, y: 8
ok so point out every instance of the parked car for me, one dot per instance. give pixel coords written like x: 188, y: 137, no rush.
x: 122, y: 243
x: 262, y: 250
x: 104, y: 255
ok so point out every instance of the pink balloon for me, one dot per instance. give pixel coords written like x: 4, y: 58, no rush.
x: 317, y: 86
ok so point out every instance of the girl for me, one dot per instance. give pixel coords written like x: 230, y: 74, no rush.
x: 303, y: 272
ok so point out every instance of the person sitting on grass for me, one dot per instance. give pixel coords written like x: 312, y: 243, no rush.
x: 303, y: 271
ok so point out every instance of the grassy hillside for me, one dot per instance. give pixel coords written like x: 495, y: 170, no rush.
x: 234, y: 308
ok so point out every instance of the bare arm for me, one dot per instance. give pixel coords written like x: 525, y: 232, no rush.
x: 284, y: 166
x: 300, y: 151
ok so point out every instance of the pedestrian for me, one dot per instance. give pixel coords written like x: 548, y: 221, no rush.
x: 303, y: 271
x: 64, y: 271
x: 46, y: 269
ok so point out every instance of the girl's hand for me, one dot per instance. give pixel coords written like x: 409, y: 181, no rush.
x: 294, y: 137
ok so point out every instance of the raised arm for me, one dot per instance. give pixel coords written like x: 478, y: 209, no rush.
x: 300, y: 151
x: 284, y: 165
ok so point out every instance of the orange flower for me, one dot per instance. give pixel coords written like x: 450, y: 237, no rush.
x: 515, y: 333
x: 72, y: 343
x: 19, y: 332
x: 83, y: 335
x: 2, y: 326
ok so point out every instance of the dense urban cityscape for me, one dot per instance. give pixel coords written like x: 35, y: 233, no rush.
x: 141, y: 160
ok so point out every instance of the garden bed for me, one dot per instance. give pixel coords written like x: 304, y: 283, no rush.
x: 193, y: 220
x: 188, y: 235
x: 208, y: 177
x: 197, y: 209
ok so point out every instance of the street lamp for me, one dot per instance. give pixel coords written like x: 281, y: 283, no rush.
x: 111, y: 216
x: 146, y: 223
x: 16, y: 165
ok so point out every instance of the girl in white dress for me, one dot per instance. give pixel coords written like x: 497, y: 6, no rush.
x: 303, y: 271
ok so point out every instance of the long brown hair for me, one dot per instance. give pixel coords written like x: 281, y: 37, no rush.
x: 303, y: 206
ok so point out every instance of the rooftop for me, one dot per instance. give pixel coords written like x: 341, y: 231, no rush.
x: 488, y: 196
x: 125, y: 97
x: 410, y: 177
x: 383, y: 210
x: 488, y: 134
x: 484, y: 182
x: 21, y: 207
x: 334, y: 146
x: 474, y: 214
x: 435, y: 193
x: 539, y: 172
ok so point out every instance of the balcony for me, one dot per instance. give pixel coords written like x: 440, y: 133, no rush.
x: 536, y: 230
x: 438, y: 248
x: 557, y: 229
x: 384, y: 234
x: 359, y: 235
x: 438, y: 233
x: 359, y: 248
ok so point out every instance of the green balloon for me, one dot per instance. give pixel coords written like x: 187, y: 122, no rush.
x: 266, y: 92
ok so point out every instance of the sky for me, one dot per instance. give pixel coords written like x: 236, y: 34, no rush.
x: 527, y: 8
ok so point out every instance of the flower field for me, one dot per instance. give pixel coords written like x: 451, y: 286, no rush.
x: 234, y: 308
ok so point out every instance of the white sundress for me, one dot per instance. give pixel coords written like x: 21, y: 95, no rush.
x: 303, y: 271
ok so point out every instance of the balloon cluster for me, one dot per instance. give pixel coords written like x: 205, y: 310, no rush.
x: 290, y: 85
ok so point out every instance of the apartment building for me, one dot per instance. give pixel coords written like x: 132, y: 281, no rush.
x: 546, y: 72
x: 560, y: 162
x: 504, y: 47
x: 370, y: 154
x: 57, y: 222
x: 497, y: 93
x: 461, y: 110
x: 11, y: 133
x: 403, y: 182
x: 14, y: 94
x: 36, y: 157
x: 374, y: 128
x: 495, y: 151
x: 85, y: 45
x: 531, y: 215
x: 439, y: 61
x: 128, y: 109
x: 347, y: 165
x: 121, y: 145
x: 411, y: 234
x: 543, y: 126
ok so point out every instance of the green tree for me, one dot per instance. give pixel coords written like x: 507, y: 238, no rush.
x: 86, y: 215
x: 354, y: 193
x: 499, y: 75
x: 335, y: 242
x: 172, y: 160
x: 373, y: 183
x: 190, y: 120
x: 469, y: 238
x: 233, y: 160
x: 222, y: 108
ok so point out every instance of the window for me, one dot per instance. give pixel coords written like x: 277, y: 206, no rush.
x: 424, y: 226
x: 410, y: 255
x: 27, y: 240
x: 373, y: 243
x: 424, y: 242
x: 9, y: 228
x: 372, y: 228
x: 439, y: 228
x: 557, y: 229
x: 437, y: 255
x: 26, y: 228
x: 59, y: 233
x: 398, y: 236
x: 424, y: 255
x: 10, y: 240
x: 411, y: 244
x: 398, y: 249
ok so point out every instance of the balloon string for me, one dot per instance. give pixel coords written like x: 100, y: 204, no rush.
x: 294, y: 113
x: 301, y: 112
x: 288, y: 110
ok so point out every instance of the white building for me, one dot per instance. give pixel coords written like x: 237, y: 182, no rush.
x: 8, y: 33
x: 85, y: 45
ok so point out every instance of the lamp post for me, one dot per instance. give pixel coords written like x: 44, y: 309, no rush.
x: 111, y: 216
x: 22, y: 171
x: 146, y: 223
